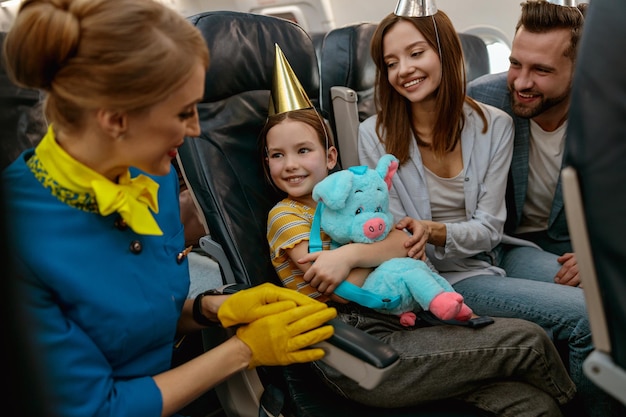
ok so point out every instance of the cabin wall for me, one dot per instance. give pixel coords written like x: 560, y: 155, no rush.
x: 498, y: 16
x: 8, y: 10
x: 465, y: 14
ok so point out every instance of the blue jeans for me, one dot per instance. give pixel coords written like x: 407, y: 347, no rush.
x: 509, y: 368
x: 534, y: 296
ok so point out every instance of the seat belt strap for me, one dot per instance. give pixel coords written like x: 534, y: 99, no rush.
x: 272, y: 401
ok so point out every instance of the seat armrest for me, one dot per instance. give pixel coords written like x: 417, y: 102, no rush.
x: 213, y: 249
x: 362, y: 345
x: 358, y: 355
x: 347, y: 122
x: 606, y: 374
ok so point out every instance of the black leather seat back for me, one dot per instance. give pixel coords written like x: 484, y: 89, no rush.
x: 596, y: 148
x: 476, y: 56
x: 318, y: 40
x: 345, y: 60
x: 223, y: 165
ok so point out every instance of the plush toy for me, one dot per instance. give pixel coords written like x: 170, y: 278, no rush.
x: 353, y: 206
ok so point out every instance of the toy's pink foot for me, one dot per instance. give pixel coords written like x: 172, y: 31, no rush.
x: 465, y: 313
x: 407, y: 319
x: 446, y: 305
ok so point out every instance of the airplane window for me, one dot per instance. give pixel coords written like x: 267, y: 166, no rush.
x: 498, y: 57
x: 498, y: 46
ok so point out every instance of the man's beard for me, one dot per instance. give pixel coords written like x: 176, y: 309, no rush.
x: 528, y: 112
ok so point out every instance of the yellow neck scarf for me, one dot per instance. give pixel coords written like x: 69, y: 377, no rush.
x: 132, y: 198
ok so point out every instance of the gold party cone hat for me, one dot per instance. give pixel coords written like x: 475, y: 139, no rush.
x: 287, y: 93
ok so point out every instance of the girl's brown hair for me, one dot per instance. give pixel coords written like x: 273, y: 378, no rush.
x: 393, y: 110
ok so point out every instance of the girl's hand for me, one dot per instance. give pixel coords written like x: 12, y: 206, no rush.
x: 328, y: 268
x: 418, y: 239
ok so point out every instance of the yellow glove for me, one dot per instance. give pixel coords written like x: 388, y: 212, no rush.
x: 282, y: 339
x: 263, y: 300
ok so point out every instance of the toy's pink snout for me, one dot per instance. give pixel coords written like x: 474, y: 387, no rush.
x: 374, y: 228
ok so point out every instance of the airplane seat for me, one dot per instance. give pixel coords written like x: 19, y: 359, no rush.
x: 476, y: 56
x: 318, y: 39
x: 348, y: 74
x: 232, y: 113
x: 595, y: 151
x: 21, y: 117
x: 223, y: 170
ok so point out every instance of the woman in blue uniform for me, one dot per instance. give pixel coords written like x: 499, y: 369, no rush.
x: 95, y: 218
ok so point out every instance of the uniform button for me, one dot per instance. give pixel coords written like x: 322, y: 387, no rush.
x: 120, y: 224
x: 135, y: 247
x: 466, y: 178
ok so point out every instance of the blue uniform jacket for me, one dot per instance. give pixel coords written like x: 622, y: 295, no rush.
x: 492, y: 89
x: 102, y: 302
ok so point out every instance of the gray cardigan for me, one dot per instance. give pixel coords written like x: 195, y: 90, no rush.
x: 486, y: 160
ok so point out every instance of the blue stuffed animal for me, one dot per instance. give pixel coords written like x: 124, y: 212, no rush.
x: 353, y: 205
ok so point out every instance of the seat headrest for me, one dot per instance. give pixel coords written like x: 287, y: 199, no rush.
x: 241, y: 47
x: 318, y: 39
x: 476, y: 56
x: 346, y: 61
